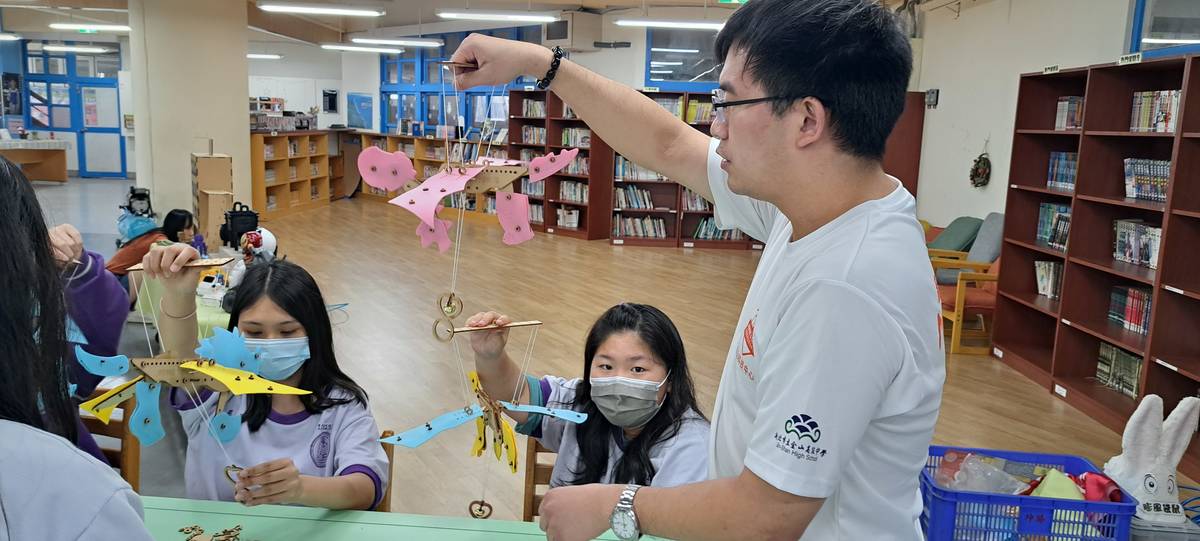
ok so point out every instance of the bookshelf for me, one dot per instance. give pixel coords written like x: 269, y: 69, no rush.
x: 1058, y: 342
x: 289, y: 172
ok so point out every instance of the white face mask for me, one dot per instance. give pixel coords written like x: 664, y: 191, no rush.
x: 627, y: 402
x: 279, y: 358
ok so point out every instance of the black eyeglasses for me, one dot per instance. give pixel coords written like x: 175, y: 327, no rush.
x: 719, y: 104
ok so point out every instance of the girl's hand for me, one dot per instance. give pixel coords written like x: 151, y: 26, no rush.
x: 489, y: 345
x: 165, y: 261
x: 277, y: 481
x: 67, y: 245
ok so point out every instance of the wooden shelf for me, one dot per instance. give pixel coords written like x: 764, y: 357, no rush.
x: 527, y: 117
x: 689, y: 242
x: 632, y: 181
x: 568, y: 147
x: 1033, y: 362
x: 706, y: 212
x: 1129, y: 202
x: 1185, y: 366
x: 1043, y: 189
x: 566, y: 202
x: 285, y: 186
x: 1110, y: 332
x: 647, y: 211
x: 569, y: 175
x: 568, y: 119
x: 1037, y: 248
x: 1125, y: 270
x: 1181, y: 291
x: 1097, y: 401
x: 1105, y: 133
x: 1188, y: 213
x: 269, y: 160
x: 530, y: 145
x: 1050, y: 132
x: 1041, y: 303
x: 644, y: 241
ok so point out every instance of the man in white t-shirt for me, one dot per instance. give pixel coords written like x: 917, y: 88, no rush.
x: 833, y: 381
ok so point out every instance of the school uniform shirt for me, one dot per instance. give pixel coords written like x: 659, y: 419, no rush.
x: 50, y: 491
x: 680, y: 460
x: 833, y: 380
x: 341, y: 440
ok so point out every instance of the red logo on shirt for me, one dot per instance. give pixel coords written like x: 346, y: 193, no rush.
x: 746, y: 350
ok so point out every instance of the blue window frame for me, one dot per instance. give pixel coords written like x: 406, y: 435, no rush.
x: 681, y: 60
x: 1165, y: 28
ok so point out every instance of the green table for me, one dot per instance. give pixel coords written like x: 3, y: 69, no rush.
x: 165, y: 516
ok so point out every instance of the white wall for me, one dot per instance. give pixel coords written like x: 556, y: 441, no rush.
x: 298, y: 78
x: 360, y: 74
x: 975, y: 60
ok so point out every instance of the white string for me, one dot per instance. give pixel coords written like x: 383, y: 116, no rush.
x: 525, y: 363
x: 462, y: 213
x: 208, y: 421
x: 462, y: 369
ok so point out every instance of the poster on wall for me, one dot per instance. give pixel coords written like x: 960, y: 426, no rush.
x: 12, y: 94
x: 329, y: 101
x: 359, y: 110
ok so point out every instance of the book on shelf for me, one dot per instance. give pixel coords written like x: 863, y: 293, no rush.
x: 272, y: 201
x: 410, y: 149
x: 707, y: 229
x: 536, y: 189
x: 292, y: 172
x: 577, y: 137
x: 694, y: 202
x: 489, y: 205
x: 1069, y: 114
x: 1155, y: 111
x: 1129, y: 307
x: 379, y: 142
x: 293, y: 148
x: 571, y: 191
x: 528, y: 154
x: 500, y: 136
x: 533, y: 108
x: 269, y: 176
x: 312, y: 147
x: 624, y: 169
x: 1063, y: 169
x: 699, y: 112
x: 632, y: 197
x: 1118, y: 369
x: 537, y: 213
x: 314, y: 191
x: 269, y: 152
x: 1049, y: 278
x: 1147, y: 179
x: 1054, y: 223
x: 578, y: 166
x: 641, y: 227
x: 429, y: 170
x: 674, y: 105
x: 459, y: 200
x: 533, y: 135
x: 1136, y: 242
x: 568, y: 218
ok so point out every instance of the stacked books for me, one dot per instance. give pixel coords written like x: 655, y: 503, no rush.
x: 644, y: 227
x: 1136, y: 243
x: 1054, y: 223
x: 1063, y: 169
x: 632, y: 197
x: 1119, y: 370
x: 1069, y: 114
x: 693, y: 201
x: 1147, y: 179
x: 573, y: 192
x: 707, y: 230
x: 1049, y: 278
x: 533, y: 108
x: 577, y: 137
x: 624, y: 169
x: 533, y: 135
x: 1129, y: 307
x: 1154, y: 111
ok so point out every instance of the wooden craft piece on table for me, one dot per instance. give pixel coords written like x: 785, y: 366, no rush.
x: 385, y: 170
x: 424, y: 199
x: 513, y: 211
x: 543, y: 166
x: 210, y: 262
x: 495, y: 177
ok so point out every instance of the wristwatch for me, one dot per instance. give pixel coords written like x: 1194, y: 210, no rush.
x: 624, y: 521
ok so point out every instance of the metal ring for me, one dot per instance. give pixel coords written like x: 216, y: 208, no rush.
x: 480, y: 509
x: 231, y: 471
x: 450, y: 305
x: 443, y: 329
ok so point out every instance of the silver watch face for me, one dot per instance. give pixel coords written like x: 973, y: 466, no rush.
x: 624, y: 525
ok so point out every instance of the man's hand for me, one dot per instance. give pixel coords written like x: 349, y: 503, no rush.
x: 578, y: 513
x: 497, y: 61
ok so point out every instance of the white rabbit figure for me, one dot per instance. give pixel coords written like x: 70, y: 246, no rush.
x: 1150, y: 453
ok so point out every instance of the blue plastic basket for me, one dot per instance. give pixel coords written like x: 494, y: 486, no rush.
x: 951, y: 515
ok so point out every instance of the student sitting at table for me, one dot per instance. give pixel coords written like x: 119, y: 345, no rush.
x: 319, y: 450
x: 180, y: 226
x: 49, y: 488
x: 643, y: 424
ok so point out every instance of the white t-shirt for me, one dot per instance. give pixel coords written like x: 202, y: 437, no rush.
x: 833, y: 381
x: 680, y: 460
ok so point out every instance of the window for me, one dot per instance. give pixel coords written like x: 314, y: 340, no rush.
x: 1166, y: 27
x: 681, y: 56
x: 497, y: 112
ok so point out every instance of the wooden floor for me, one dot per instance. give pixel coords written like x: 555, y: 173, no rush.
x: 367, y: 254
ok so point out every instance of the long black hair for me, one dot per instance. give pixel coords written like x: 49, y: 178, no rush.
x: 593, y: 435
x: 296, y: 292
x: 33, y: 314
x: 177, y: 220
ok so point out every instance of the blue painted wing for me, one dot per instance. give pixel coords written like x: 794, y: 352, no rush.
x: 229, y: 350
x: 225, y: 426
x: 146, y: 421
x: 102, y: 366
x: 570, y: 416
x: 414, y: 437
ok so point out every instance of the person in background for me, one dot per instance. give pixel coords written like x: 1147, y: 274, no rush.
x: 49, y: 488
x: 180, y: 226
x: 138, y: 232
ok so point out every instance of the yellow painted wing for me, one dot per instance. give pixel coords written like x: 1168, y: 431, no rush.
x: 510, y: 444
x: 102, y: 406
x: 241, y: 381
x: 498, y: 442
x: 475, y: 386
x: 480, y: 437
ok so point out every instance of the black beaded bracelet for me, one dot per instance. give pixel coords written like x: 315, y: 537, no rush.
x: 544, y: 82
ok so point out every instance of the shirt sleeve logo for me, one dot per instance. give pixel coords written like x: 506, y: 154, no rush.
x: 803, y: 428
x: 318, y: 451
x: 746, y: 349
x: 796, y: 430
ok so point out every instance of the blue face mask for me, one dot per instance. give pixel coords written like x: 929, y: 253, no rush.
x: 132, y: 226
x: 279, y: 358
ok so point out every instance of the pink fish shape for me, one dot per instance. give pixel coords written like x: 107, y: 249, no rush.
x: 513, y: 211
x: 425, y: 198
x: 385, y: 170
x: 544, y: 166
x: 438, y: 234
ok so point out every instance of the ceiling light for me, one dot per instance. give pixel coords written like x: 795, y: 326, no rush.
x: 263, y: 56
x: 357, y: 49
x: 410, y: 42
x: 661, y: 71
x: 320, y: 9
x: 657, y: 63
x: 1169, y: 41
x: 74, y: 49
x: 499, y: 15
x: 700, y: 24
x: 89, y: 26
x: 665, y: 50
x: 5, y: 36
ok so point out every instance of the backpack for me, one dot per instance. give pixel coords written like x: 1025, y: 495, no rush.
x: 238, y: 221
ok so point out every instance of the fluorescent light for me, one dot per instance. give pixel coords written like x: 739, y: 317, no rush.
x: 661, y: 71
x: 409, y: 42
x: 320, y: 9
x: 1170, y: 41
x: 499, y: 15
x: 665, y: 50
x: 74, y: 49
x: 263, y: 56
x: 658, y: 63
x: 701, y: 24
x: 90, y: 26
x: 657, y: 79
x: 5, y: 36
x: 357, y: 49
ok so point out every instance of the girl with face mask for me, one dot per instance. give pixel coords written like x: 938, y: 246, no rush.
x: 643, y: 424
x: 319, y: 450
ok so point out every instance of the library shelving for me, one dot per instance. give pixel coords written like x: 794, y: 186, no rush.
x: 289, y: 172
x: 1058, y: 343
